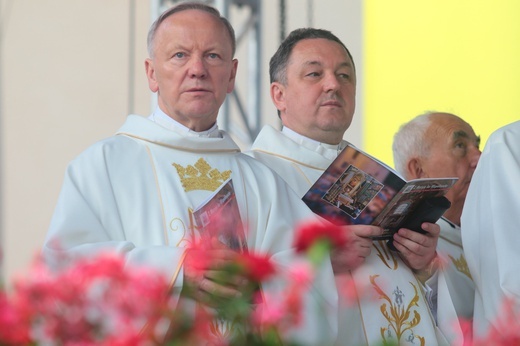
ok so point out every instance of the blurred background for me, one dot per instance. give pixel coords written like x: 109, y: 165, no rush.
x: 71, y: 71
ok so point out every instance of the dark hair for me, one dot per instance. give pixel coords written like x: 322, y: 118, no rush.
x: 184, y: 6
x: 278, y: 63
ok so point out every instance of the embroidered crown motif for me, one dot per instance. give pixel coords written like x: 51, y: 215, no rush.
x: 201, y: 176
x: 461, y: 265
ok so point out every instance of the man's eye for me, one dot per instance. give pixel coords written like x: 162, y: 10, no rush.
x: 344, y: 75
x: 461, y: 145
x: 313, y: 74
x: 179, y: 55
x: 213, y: 55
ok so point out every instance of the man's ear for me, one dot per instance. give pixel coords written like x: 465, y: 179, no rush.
x: 232, y: 76
x: 415, y: 169
x: 278, y: 96
x: 150, y: 74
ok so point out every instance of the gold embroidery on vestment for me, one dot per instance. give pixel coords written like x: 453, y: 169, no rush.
x: 201, y: 176
x: 461, y: 265
x: 399, y: 317
x: 387, y: 257
x: 177, y: 225
x: 223, y: 330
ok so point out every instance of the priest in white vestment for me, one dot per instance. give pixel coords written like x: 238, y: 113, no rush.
x: 491, y: 232
x: 135, y: 192
x: 313, y: 87
x: 437, y: 145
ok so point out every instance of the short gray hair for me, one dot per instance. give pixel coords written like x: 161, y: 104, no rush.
x: 409, y: 141
x: 184, y: 6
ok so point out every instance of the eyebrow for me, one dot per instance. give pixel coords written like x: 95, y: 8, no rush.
x: 318, y: 63
x: 462, y: 134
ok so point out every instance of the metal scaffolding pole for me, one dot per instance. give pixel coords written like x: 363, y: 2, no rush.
x: 131, y: 56
x: 2, y: 131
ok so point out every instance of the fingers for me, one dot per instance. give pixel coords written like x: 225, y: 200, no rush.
x: 360, y: 237
x: 207, y: 276
x: 413, y: 241
x: 412, y: 259
x: 210, y: 288
x: 432, y: 228
x: 416, y: 241
x: 344, y: 261
x: 208, y: 285
x: 210, y: 293
x: 212, y: 258
x: 365, y: 231
x: 234, y: 281
x: 415, y: 248
x: 352, y: 255
x: 197, y: 265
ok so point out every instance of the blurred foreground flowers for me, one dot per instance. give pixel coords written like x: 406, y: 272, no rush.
x: 89, y: 303
x: 105, y: 301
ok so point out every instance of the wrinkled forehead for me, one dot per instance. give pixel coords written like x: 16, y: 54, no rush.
x: 316, y: 49
x: 191, y: 23
x: 448, y: 127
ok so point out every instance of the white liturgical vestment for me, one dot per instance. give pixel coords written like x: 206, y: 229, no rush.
x: 491, y: 228
x: 460, y: 291
x: 390, y: 303
x: 134, y: 193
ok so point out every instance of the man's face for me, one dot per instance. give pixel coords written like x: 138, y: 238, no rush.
x: 192, y: 68
x: 454, y: 153
x: 318, y: 100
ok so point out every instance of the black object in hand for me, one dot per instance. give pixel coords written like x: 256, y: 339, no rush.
x: 428, y: 210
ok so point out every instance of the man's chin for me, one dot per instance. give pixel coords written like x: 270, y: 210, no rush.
x: 458, y: 198
x: 335, y: 127
x: 201, y: 116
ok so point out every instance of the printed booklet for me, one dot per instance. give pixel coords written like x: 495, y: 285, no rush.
x: 359, y: 189
x: 219, y: 216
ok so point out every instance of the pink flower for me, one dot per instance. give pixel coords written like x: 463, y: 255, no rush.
x: 95, y: 301
x: 312, y: 232
x: 268, y: 315
x: 506, y: 328
x: 14, y: 330
x: 302, y: 273
x: 256, y: 267
x: 347, y: 289
x: 466, y: 325
x: 281, y: 311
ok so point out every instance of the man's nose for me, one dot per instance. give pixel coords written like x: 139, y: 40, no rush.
x: 330, y: 82
x: 197, y: 68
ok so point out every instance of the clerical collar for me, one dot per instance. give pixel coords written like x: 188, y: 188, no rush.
x: 161, y: 118
x: 330, y: 151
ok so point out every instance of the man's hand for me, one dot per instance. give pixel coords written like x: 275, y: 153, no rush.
x: 358, y: 247
x: 418, y: 250
x: 205, y: 279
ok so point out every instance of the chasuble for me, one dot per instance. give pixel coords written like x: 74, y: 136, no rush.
x: 390, y: 302
x: 134, y: 193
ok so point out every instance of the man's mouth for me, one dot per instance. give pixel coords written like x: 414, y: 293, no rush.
x: 332, y: 103
x: 197, y: 90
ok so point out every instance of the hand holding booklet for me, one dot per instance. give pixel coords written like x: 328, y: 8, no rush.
x: 359, y: 189
x: 219, y: 216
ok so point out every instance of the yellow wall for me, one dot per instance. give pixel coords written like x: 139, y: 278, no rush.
x: 459, y: 56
